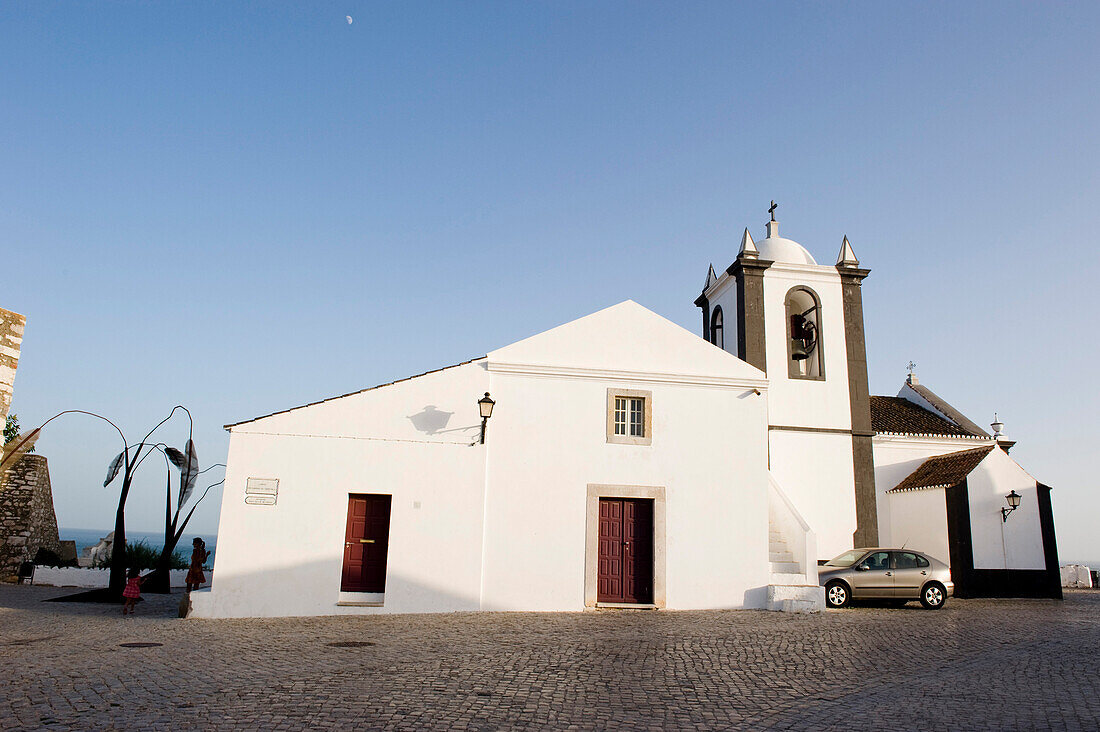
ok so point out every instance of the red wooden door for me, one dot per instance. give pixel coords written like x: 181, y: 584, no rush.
x: 366, y: 544
x: 624, y: 570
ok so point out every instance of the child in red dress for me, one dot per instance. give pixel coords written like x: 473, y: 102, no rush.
x: 132, y: 593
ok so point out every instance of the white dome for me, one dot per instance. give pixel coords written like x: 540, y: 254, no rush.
x: 778, y: 249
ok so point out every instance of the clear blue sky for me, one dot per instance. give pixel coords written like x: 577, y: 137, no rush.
x: 247, y: 206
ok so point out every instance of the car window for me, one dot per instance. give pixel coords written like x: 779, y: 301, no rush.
x: 847, y: 559
x: 921, y: 561
x: 878, y: 560
x: 906, y: 560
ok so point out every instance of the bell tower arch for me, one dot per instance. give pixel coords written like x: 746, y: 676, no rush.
x: 804, y: 350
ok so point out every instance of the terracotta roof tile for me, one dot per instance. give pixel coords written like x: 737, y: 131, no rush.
x: 943, y: 470
x: 902, y: 417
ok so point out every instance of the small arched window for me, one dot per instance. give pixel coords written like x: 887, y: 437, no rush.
x: 716, y: 328
x: 804, y: 356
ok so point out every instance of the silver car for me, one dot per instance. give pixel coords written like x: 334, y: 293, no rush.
x: 900, y: 574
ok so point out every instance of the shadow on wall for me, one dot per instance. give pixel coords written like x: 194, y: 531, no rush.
x: 433, y: 421
x: 430, y: 420
x: 313, y: 588
x: 756, y: 598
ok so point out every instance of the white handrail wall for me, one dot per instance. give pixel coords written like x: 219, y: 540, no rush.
x: 800, y: 538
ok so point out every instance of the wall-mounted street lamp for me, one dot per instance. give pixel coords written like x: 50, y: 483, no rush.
x: 485, y: 404
x: 1013, y: 499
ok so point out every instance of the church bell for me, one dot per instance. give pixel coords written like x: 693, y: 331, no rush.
x: 803, y: 336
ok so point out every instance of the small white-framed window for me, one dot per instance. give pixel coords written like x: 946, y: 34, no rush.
x: 629, y: 416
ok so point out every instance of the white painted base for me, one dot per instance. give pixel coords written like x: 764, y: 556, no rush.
x: 362, y: 599
x: 87, y: 577
x: 201, y: 603
x: 796, y: 598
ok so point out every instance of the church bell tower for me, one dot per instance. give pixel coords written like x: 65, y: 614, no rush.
x: 802, y: 324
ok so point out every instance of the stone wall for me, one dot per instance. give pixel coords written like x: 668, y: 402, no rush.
x: 11, y: 339
x: 27, y: 520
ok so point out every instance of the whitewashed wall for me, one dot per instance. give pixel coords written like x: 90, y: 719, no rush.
x: 814, y: 468
x: 1013, y: 544
x: 805, y: 402
x: 816, y: 472
x: 546, y: 443
x: 988, y: 484
x: 287, y: 559
x: 708, y: 453
x: 918, y: 520
x: 895, y: 458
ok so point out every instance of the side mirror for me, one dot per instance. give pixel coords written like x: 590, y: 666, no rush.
x: 862, y: 568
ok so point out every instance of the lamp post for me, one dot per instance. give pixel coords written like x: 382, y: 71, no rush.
x: 485, y: 405
x: 1013, y: 499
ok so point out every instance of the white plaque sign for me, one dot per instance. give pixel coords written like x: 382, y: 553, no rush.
x: 261, y: 491
x: 260, y: 500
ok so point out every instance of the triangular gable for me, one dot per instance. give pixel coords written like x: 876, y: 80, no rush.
x: 1003, y: 457
x: 349, y: 394
x: 626, y: 337
x: 924, y: 397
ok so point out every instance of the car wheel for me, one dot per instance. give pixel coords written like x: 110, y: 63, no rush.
x: 837, y: 594
x: 933, y: 596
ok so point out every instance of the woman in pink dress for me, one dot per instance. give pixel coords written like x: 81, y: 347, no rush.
x: 195, y: 576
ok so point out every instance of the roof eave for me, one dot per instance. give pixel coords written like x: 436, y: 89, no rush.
x: 229, y: 427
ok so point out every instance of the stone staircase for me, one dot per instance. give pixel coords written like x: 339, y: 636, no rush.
x: 790, y: 589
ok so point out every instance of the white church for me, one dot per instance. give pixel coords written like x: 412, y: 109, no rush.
x: 621, y: 461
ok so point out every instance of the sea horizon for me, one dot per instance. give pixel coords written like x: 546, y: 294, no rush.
x: 155, y: 539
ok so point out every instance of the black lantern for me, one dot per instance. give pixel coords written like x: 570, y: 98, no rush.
x: 485, y: 404
x: 1013, y: 499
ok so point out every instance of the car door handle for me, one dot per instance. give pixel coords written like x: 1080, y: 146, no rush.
x: 923, y: 572
x: 889, y: 574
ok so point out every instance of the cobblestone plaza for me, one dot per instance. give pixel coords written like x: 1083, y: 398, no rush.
x: 977, y: 664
